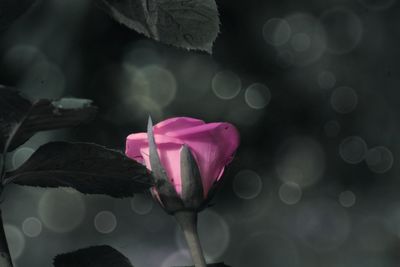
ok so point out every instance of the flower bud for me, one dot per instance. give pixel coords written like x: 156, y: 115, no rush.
x: 187, y: 158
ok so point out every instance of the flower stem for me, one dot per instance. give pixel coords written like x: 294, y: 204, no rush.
x: 188, y: 222
x: 5, y: 258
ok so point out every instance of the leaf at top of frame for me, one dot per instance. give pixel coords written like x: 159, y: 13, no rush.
x: 190, y: 24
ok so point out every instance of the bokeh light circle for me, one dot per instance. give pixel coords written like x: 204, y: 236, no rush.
x: 290, y: 193
x: 343, y: 29
x: 61, y: 211
x: 300, y: 160
x: 32, y: 227
x: 22, y: 57
x: 353, y: 149
x: 344, y: 99
x: 226, y: 85
x: 257, y: 96
x: 379, y: 159
x: 161, y: 84
x: 15, y: 239
x: 326, y: 80
x: 213, y: 232
x: 105, y: 222
x: 347, y: 199
x: 276, y: 31
x: 306, y: 43
x: 136, y: 93
x: 135, y: 83
x: 301, y: 42
x: 142, y: 204
x: 247, y: 184
x: 21, y: 155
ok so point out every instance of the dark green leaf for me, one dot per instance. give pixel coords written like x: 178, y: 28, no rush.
x: 191, y: 24
x: 89, y: 168
x: 13, y: 107
x: 49, y: 115
x: 98, y: 256
x: 44, y: 114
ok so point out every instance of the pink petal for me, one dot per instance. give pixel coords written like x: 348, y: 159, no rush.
x: 175, y: 124
x: 168, y: 149
x: 213, y: 146
x: 170, y: 160
x: 134, y: 142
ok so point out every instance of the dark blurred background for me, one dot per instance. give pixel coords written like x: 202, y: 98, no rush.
x: 312, y: 86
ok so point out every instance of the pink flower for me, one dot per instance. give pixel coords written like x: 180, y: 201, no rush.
x: 212, y: 146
